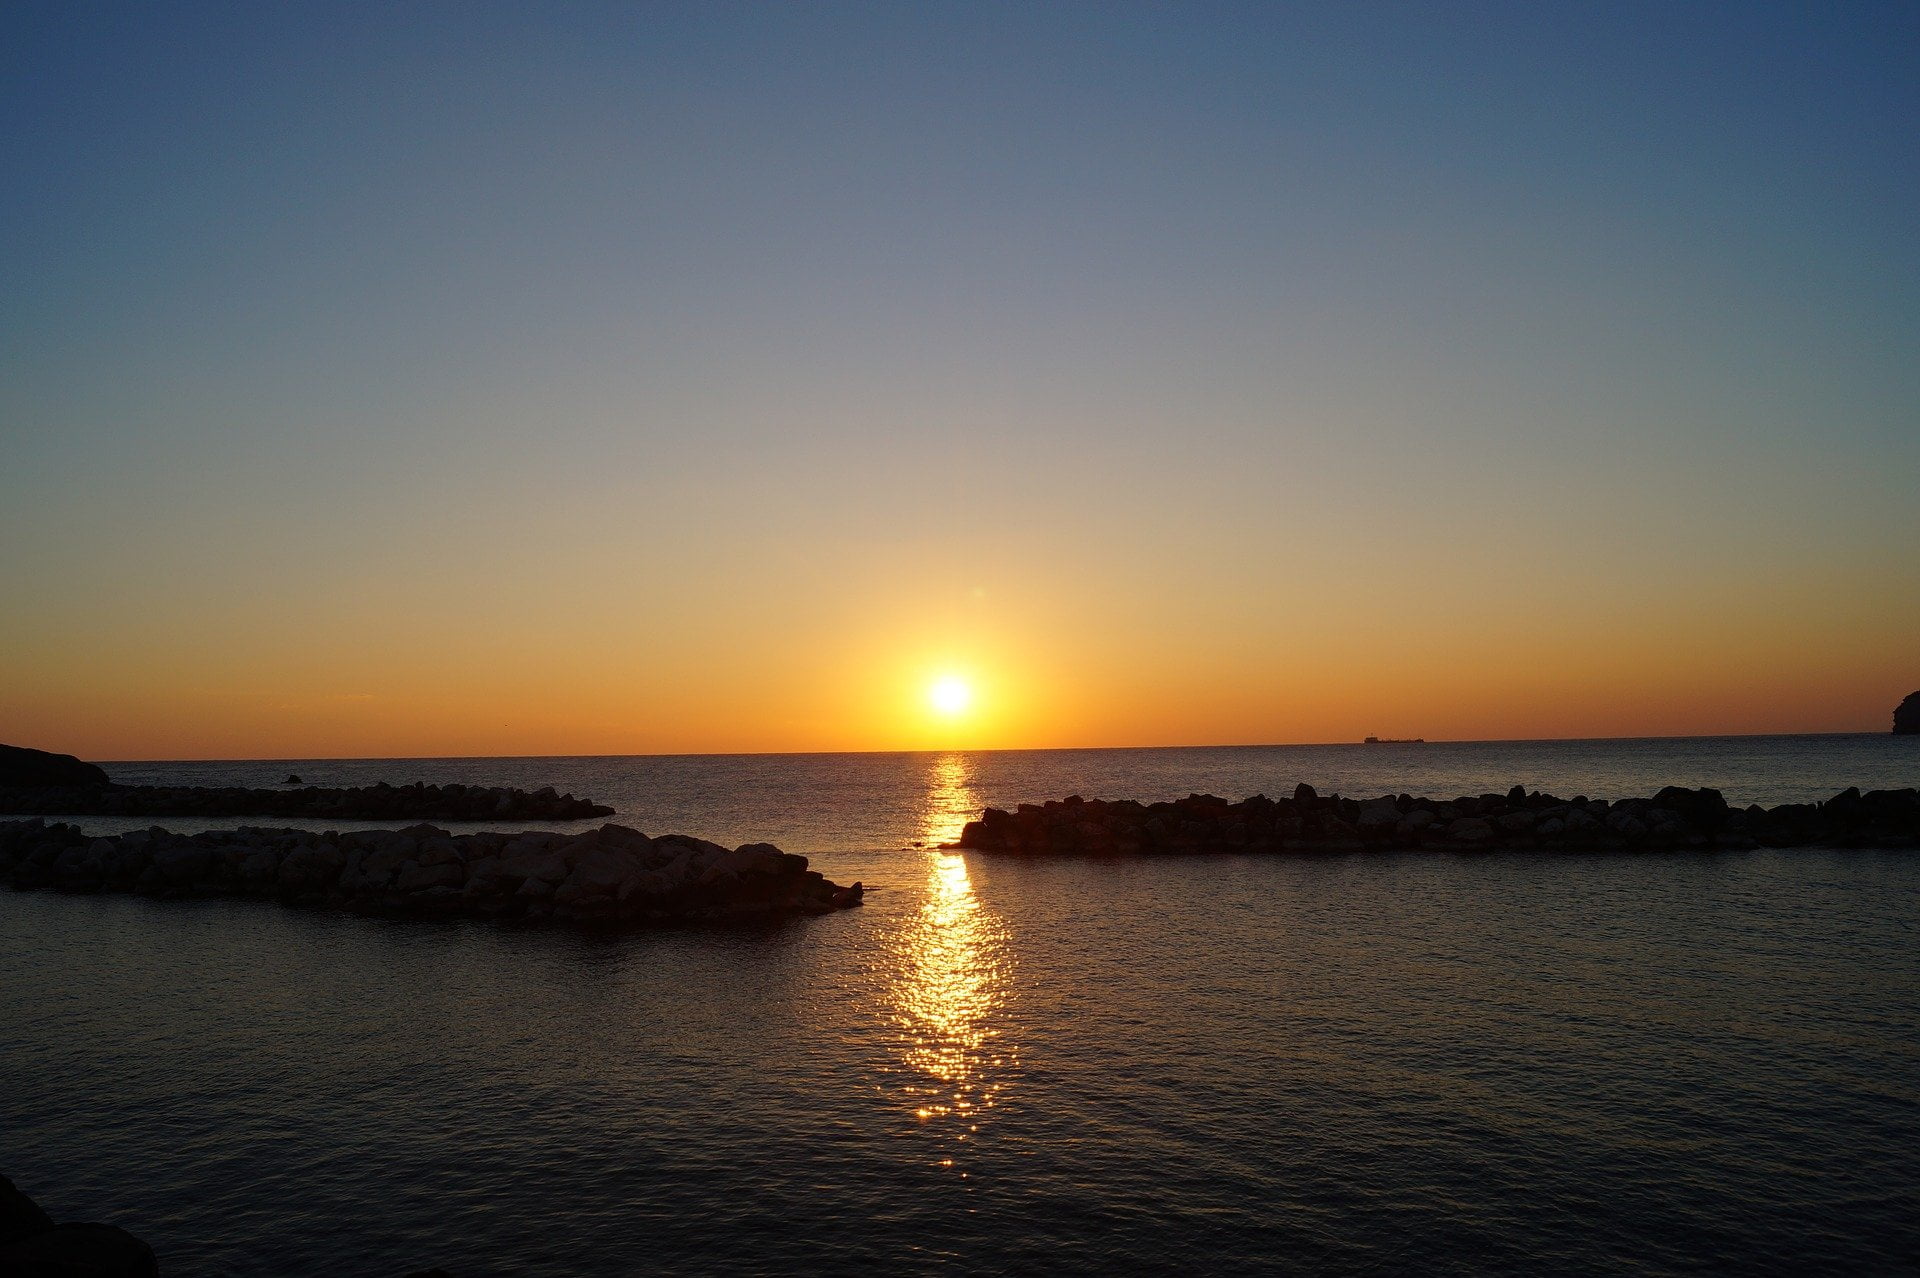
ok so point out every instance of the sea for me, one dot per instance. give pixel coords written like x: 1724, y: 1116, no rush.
x: 1367, y: 1063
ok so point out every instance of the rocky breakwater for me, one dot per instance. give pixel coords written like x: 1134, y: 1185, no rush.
x: 382, y: 802
x: 609, y: 877
x: 1674, y: 819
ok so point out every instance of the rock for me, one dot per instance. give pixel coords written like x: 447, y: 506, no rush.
x: 414, y: 877
x: 1471, y: 830
x: 34, y: 769
x: 645, y: 884
x: 292, y: 779
x: 1906, y: 718
x: 1580, y: 821
x: 524, y: 862
x: 20, y: 1216
x: 260, y: 869
x: 385, y: 851
x: 80, y: 1251
x: 312, y: 869
x: 1379, y: 815
x: 620, y: 836
x: 1702, y: 808
x: 32, y: 1246
x: 603, y: 871
x: 183, y: 864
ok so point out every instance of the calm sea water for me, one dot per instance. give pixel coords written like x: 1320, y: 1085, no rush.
x: 1375, y: 1062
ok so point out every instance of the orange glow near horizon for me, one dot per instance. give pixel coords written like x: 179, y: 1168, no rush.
x: 854, y: 665
x: 259, y: 697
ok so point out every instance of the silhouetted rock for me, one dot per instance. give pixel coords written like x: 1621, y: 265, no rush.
x: 32, y: 1246
x: 1906, y: 717
x: 26, y: 768
x: 293, y: 778
x: 1703, y: 808
x: 20, y: 1216
x: 1675, y: 818
x: 610, y: 876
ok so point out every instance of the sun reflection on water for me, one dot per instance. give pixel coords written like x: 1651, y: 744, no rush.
x: 952, y: 978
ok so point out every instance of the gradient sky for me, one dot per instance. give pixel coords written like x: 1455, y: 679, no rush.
x: 466, y: 379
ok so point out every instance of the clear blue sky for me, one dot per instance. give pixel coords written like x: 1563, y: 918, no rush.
x: 760, y: 314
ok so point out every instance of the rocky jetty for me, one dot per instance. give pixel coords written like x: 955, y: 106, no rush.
x: 32, y: 1246
x: 612, y: 876
x: 1675, y: 818
x: 1906, y: 716
x: 382, y: 802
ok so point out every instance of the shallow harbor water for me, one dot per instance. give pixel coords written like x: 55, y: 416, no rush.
x: 1629, y: 1064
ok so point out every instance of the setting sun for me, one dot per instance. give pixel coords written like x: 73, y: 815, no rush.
x: 950, y: 695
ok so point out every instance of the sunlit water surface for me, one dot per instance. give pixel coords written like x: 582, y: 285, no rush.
x: 1511, y: 1063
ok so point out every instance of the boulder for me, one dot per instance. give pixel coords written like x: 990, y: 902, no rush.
x: 20, y: 1216
x: 33, y: 769
x: 260, y: 869
x: 532, y: 863
x: 33, y: 1246
x: 183, y: 864
x: 1378, y: 817
x: 414, y: 877
x: 311, y: 869
x: 384, y: 851
x: 80, y: 1251
x: 1701, y: 809
x: 1906, y: 717
x: 603, y: 871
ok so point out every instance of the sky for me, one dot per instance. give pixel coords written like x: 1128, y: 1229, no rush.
x: 402, y: 380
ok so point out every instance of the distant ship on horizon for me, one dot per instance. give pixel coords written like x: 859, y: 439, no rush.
x: 1394, y: 741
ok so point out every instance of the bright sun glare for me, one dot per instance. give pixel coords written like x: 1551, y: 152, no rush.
x: 950, y: 694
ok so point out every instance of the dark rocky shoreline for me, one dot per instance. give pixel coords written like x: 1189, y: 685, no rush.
x: 609, y: 877
x: 382, y: 802
x: 41, y: 783
x: 1675, y: 818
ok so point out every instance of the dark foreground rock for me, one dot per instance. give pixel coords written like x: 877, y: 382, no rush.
x: 612, y: 876
x: 32, y: 1246
x: 32, y: 769
x: 1675, y: 818
x: 1906, y: 716
x: 383, y: 802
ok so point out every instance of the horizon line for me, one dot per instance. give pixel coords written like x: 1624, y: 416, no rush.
x: 1218, y: 745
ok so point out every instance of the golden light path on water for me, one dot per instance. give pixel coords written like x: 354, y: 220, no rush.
x: 953, y: 976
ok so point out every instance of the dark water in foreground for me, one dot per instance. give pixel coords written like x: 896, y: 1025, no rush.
x: 1383, y: 1062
